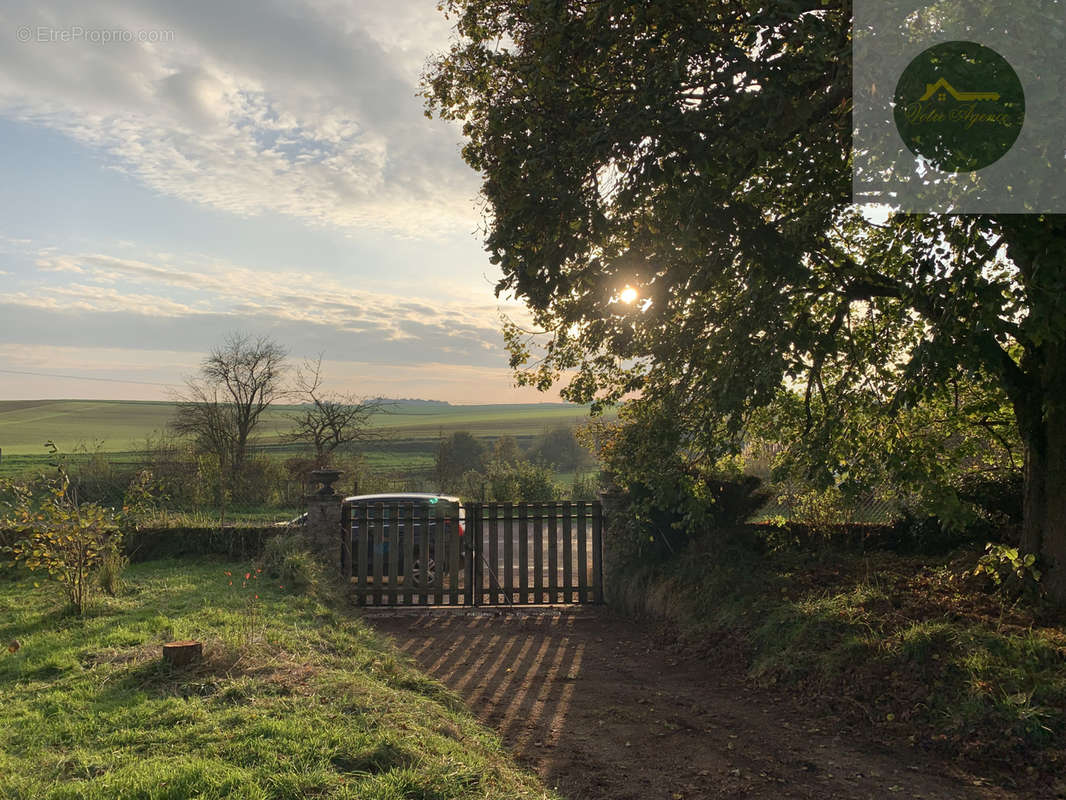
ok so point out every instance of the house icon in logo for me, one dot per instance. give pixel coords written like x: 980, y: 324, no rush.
x: 942, y: 89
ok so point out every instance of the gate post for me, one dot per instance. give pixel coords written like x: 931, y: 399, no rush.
x: 611, y: 504
x: 324, y: 529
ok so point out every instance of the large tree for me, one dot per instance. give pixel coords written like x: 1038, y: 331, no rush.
x: 698, y: 155
x: 223, y: 403
x: 456, y: 455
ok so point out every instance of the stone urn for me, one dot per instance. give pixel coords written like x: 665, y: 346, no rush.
x: 327, y: 477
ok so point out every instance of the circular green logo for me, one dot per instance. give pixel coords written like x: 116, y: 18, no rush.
x: 960, y: 106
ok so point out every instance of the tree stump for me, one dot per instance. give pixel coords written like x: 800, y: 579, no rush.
x: 181, y: 654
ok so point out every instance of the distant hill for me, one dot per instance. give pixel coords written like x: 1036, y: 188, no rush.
x: 122, y: 426
x: 413, y: 401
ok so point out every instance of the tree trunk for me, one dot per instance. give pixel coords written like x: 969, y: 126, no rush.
x: 1044, y: 430
x: 181, y: 654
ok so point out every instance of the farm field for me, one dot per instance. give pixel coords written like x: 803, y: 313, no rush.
x: 121, y: 428
x: 292, y: 699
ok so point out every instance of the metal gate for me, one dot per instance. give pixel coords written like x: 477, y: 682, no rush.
x: 402, y: 554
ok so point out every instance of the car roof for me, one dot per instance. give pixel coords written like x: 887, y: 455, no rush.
x: 403, y: 496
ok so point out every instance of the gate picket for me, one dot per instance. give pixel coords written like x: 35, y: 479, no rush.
x: 538, y: 552
x: 454, y: 595
x: 390, y: 526
x: 425, y: 585
x: 377, y: 548
x: 408, y: 555
x: 523, y: 553
x: 582, y: 553
x: 362, y: 528
x: 568, y: 553
x: 550, y: 510
x: 493, y: 529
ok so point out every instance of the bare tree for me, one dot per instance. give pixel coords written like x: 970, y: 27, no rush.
x: 328, y: 421
x: 222, y: 404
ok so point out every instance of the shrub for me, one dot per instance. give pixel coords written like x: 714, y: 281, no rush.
x: 735, y: 499
x: 1010, y: 573
x: 522, y: 482
x: 586, y: 487
x: 998, y: 495
x: 60, y: 536
x: 287, y: 558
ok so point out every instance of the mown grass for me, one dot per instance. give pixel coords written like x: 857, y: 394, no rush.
x: 909, y: 645
x: 296, y: 700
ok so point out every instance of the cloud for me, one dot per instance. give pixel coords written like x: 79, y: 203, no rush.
x: 135, y: 374
x: 117, y: 301
x: 308, y: 110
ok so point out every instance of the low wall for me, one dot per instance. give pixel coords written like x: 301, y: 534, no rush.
x: 153, y: 543
x: 233, y: 542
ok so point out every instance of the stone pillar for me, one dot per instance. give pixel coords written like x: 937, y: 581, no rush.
x: 613, y: 505
x: 324, y: 521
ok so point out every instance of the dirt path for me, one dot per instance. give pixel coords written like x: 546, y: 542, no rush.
x: 603, y: 709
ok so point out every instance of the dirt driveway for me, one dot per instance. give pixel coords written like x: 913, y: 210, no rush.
x: 605, y: 709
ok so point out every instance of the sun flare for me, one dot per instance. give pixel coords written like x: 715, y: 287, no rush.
x: 628, y: 295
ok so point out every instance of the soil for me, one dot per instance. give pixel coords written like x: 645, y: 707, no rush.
x: 605, y: 708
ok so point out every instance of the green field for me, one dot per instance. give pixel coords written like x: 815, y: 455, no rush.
x: 121, y: 428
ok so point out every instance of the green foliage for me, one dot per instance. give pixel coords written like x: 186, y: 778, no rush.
x: 932, y: 457
x: 505, y: 450
x: 645, y: 454
x: 61, y: 537
x: 457, y: 454
x: 1010, y: 572
x: 673, y: 487
x: 817, y: 509
x: 522, y: 482
x: 560, y: 448
x: 586, y: 487
x: 997, y: 495
x: 287, y: 559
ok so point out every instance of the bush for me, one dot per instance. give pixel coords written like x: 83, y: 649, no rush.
x: 56, y: 534
x: 287, y: 558
x: 735, y: 499
x: 1010, y: 573
x: 522, y: 482
x: 998, y: 495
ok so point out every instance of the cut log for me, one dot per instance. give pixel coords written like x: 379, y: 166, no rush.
x: 181, y: 654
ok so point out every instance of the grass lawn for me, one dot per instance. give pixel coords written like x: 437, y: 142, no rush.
x: 293, y: 700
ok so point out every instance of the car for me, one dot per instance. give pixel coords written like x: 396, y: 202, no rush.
x: 446, y: 509
x: 443, y: 509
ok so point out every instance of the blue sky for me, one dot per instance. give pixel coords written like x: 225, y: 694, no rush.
x: 175, y: 171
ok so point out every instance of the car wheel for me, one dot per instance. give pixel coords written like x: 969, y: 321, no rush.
x: 424, y: 578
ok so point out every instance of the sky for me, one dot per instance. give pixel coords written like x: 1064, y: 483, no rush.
x: 177, y: 170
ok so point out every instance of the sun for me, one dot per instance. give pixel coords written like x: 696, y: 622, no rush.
x: 628, y: 295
